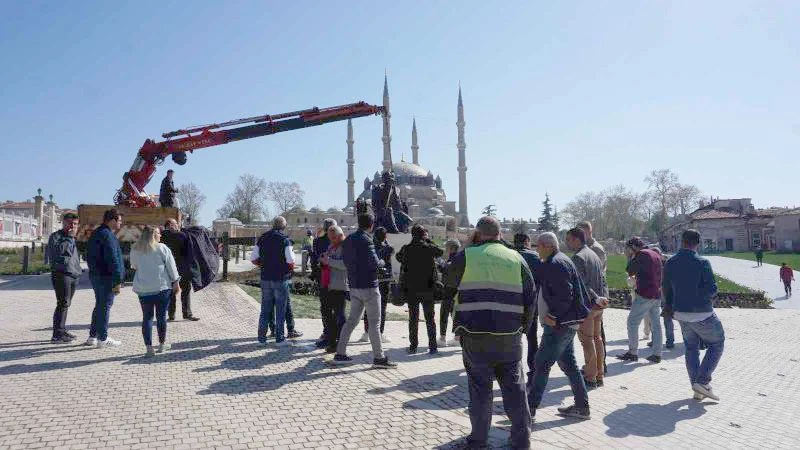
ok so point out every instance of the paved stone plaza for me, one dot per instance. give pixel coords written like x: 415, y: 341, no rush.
x: 217, y: 388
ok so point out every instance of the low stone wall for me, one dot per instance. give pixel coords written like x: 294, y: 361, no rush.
x: 621, y: 299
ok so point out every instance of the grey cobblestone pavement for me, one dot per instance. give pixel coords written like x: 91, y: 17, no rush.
x: 217, y: 388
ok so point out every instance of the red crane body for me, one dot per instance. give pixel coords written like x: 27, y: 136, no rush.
x: 152, y: 153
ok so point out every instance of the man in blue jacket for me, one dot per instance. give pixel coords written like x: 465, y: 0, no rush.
x: 689, y: 286
x: 106, y: 272
x: 562, y: 307
x: 358, y: 252
x: 65, y: 269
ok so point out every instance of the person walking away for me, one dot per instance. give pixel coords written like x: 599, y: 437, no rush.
x: 156, y: 281
x: 644, y: 264
x: 65, y: 269
x: 333, y: 278
x: 166, y: 195
x: 787, y: 276
x: 384, y: 252
x: 600, y: 251
x: 451, y: 248
x: 276, y: 259
x: 418, y: 264
x: 689, y: 287
x: 307, y: 248
x: 669, y: 326
x: 106, y: 272
x: 178, y: 243
x: 358, y: 252
x: 493, y: 310
x: 759, y: 256
x: 562, y: 306
x: 319, y: 247
x: 590, y: 269
x: 522, y: 243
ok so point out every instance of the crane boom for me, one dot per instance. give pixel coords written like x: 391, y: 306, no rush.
x: 152, y: 153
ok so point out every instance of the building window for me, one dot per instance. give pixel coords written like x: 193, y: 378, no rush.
x: 756, y: 239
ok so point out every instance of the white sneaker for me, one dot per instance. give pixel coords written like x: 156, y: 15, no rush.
x: 385, y: 339
x: 705, y: 389
x: 163, y: 347
x: 150, y: 352
x: 108, y: 343
x: 699, y: 397
x: 284, y: 343
x: 442, y: 342
x: 91, y: 342
x: 364, y: 338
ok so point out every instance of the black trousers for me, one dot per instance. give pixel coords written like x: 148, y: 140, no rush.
x: 332, y: 309
x: 414, y: 300
x: 64, y: 285
x: 446, y: 309
x: 186, y: 299
x: 533, y: 347
x: 384, y: 290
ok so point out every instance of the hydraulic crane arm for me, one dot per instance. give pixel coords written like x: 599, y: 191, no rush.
x: 152, y: 153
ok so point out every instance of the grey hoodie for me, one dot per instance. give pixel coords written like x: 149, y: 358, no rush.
x: 338, y: 269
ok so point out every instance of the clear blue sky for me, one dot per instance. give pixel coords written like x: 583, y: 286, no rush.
x: 561, y: 97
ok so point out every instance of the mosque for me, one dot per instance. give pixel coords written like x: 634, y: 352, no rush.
x: 419, y: 188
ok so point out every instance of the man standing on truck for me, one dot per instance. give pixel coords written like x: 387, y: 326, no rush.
x: 65, y: 269
x: 178, y: 243
x: 167, y: 193
x: 106, y: 272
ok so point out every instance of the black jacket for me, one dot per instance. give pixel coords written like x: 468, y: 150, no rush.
x: 178, y: 243
x: 418, y: 265
x: 167, y: 193
x: 205, y: 259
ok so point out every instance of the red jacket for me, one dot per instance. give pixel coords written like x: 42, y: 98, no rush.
x: 786, y: 274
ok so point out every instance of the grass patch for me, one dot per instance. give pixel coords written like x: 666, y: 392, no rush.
x: 616, y: 276
x: 792, y: 259
x: 11, y: 262
x: 307, y: 306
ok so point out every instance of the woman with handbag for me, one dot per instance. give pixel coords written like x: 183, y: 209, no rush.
x: 155, y: 280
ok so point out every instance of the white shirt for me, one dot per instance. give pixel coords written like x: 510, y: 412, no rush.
x: 155, y: 271
x: 691, y: 316
x: 288, y: 252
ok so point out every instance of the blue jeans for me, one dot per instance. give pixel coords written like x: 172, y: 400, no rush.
x: 669, y: 330
x: 556, y: 346
x: 289, y: 318
x: 155, y: 304
x: 274, y: 298
x: 710, y: 332
x: 639, y: 308
x: 483, y: 360
x: 103, y: 300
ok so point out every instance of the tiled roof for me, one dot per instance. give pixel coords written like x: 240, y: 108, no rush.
x: 714, y: 214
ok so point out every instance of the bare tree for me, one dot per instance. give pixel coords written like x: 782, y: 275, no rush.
x: 687, y: 197
x: 663, y: 185
x: 247, y: 202
x: 284, y: 195
x: 191, y: 201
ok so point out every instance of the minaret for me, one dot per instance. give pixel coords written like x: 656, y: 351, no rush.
x: 387, y: 132
x: 414, y: 146
x: 462, y: 164
x: 351, y: 178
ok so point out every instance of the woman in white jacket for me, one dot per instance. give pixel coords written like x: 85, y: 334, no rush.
x: 156, y: 278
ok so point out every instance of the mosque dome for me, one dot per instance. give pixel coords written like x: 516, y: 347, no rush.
x: 434, y: 212
x: 334, y: 210
x: 315, y: 210
x: 405, y: 169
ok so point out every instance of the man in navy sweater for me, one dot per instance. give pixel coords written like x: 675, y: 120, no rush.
x: 689, y: 286
x: 106, y: 272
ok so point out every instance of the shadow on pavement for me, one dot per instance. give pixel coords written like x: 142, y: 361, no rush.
x: 650, y: 420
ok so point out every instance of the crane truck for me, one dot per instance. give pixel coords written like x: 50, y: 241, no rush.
x: 139, y: 209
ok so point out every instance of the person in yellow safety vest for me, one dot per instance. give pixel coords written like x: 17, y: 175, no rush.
x: 494, y: 308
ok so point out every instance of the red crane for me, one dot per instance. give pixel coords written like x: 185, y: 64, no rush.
x: 152, y: 153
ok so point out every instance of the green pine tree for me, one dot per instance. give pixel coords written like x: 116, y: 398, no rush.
x: 548, y: 220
